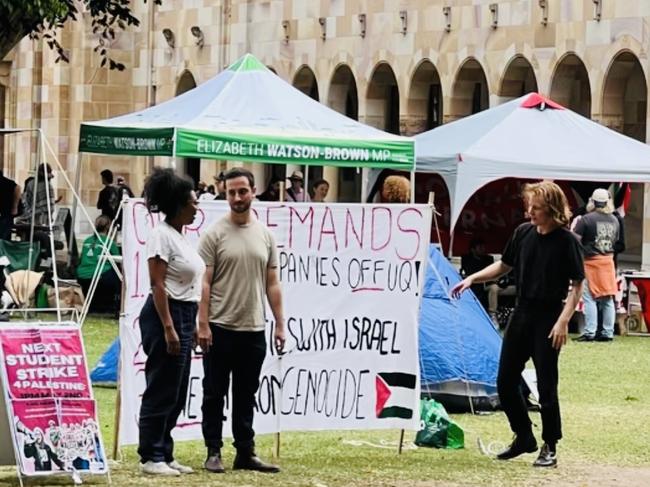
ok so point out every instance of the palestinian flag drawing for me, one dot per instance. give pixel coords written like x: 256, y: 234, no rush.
x: 394, y: 395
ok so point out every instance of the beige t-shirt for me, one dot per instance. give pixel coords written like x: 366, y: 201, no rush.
x: 241, y: 256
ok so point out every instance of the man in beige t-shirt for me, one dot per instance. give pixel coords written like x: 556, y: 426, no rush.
x: 241, y: 271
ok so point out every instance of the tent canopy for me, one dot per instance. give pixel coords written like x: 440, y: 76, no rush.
x: 250, y: 114
x: 530, y: 137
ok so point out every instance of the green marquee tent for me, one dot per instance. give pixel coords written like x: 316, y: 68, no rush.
x: 247, y: 113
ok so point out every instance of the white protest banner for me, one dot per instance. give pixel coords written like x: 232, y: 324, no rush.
x: 351, y: 276
x: 50, y: 406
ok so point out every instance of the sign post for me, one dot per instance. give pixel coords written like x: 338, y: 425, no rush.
x: 51, y: 415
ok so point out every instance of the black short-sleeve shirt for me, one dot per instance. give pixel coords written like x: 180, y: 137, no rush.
x: 544, y: 264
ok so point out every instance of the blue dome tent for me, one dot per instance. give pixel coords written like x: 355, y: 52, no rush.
x: 459, y: 346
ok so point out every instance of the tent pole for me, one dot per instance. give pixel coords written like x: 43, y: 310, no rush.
x: 32, y: 222
x: 450, y: 251
x: 364, y: 183
x: 105, y: 252
x: 173, y: 161
x: 73, y: 216
x: 413, y: 186
x: 34, y: 193
x: 48, y: 197
x: 306, y: 188
x: 77, y: 198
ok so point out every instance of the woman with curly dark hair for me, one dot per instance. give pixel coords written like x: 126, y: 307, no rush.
x: 168, y: 319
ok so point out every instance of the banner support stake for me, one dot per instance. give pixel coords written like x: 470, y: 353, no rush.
x: 276, y: 445
x: 118, y: 396
x: 401, y: 442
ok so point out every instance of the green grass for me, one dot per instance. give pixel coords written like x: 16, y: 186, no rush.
x: 605, y: 398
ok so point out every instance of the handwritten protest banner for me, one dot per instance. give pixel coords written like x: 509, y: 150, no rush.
x: 50, y: 406
x: 351, y: 278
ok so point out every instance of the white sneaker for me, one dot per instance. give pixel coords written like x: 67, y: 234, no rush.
x: 158, y: 468
x: 180, y: 467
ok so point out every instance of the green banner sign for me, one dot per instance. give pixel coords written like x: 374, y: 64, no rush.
x: 398, y: 154
x: 137, y: 142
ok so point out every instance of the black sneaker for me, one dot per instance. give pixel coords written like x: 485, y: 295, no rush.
x: 602, y: 338
x: 584, y: 338
x: 547, y: 457
x: 519, y: 446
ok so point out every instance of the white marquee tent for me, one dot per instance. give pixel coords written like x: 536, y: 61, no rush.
x: 530, y: 137
x: 247, y: 113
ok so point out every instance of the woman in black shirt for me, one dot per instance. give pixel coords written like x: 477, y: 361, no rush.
x: 547, y: 261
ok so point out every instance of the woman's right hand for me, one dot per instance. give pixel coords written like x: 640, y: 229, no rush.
x: 461, y: 287
x: 173, y: 342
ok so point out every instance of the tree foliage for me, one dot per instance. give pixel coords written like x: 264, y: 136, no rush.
x: 42, y: 19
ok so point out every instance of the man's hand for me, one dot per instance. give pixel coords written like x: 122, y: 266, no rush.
x: 558, y: 334
x: 204, y: 337
x: 172, y: 340
x: 279, y: 337
x: 461, y: 287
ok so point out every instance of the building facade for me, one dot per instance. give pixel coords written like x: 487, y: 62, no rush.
x: 404, y: 66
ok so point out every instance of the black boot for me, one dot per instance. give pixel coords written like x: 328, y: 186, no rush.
x: 520, y: 445
x: 547, y: 456
x: 247, y: 460
x: 213, y: 463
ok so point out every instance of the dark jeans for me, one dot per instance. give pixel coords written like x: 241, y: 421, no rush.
x: 167, y: 378
x: 240, y: 353
x: 527, y: 337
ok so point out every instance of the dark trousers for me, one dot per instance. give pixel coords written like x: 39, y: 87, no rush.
x: 527, y: 337
x: 167, y: 378
x: 107, y: 294
x: 240, y: 353
x: 6, y: 222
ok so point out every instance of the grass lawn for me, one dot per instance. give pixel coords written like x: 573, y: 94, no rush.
x: 605, y: 398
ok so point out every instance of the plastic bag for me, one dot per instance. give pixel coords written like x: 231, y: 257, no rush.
x: 437, y: 429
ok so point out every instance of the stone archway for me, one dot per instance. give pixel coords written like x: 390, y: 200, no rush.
x: 518, y: 79
x: 186, y: 82
x: 345, y: 182
x: 570, y: 85
x: 305, y: 81
x: 625, y: 97
x: 424, y: 108
x: 624, y: 109
x: 190, y: 166
x: 342, y: 95
x: 382, y: 99
x: 470, y: 92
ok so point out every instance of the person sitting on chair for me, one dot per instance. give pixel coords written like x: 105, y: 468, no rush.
x: 476, y: 260
x: 505, y: 286
x: 107, y: 294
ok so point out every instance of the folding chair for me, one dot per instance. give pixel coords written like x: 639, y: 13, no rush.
x: 18, y: 255
x: 18, y: 282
